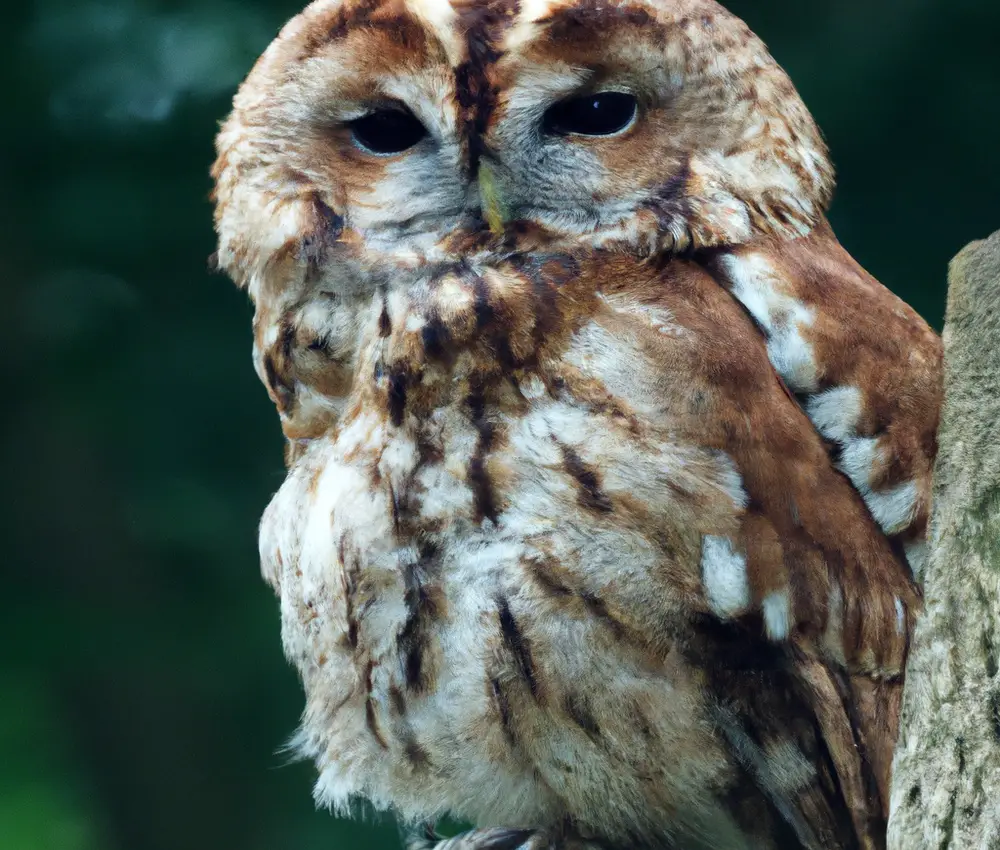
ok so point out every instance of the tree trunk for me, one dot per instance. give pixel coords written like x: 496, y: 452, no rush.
x: 946, y: 774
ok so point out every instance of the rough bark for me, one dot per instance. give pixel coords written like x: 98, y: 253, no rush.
x: 946, y: 780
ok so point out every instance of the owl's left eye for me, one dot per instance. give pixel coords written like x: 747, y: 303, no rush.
x: 601, y: 114
x: 387, y: 131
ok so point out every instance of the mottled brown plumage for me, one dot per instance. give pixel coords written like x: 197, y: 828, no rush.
x: 598, y: 519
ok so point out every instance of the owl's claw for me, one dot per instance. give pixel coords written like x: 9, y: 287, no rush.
x: 476, y: 839
x: 497, y: 839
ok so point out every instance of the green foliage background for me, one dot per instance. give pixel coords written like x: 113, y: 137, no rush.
x: 144, y: 696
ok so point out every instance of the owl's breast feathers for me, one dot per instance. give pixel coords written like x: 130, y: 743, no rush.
x: 578, y: 538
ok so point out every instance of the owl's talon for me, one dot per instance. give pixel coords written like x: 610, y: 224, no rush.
x: 498, y: 838
x: 477, y: 839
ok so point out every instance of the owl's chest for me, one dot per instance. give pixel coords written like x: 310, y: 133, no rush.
x: 501, y: 581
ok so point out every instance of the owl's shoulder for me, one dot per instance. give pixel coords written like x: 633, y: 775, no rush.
x: 866, y: 368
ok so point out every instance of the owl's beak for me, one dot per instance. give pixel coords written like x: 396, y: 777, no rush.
x: 495, y: 211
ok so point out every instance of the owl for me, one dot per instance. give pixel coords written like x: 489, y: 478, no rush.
x: 608, y: 467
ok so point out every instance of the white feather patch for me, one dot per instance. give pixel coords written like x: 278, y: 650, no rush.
x: 892, y: 509
x: 836, y: 412
x: 777, y: 608
x: 724, y: 576
x: 895, y: 508
x: 783, y: 318
x: 859, y: 459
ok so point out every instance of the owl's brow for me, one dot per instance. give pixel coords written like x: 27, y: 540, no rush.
x: 592, y: 18
x: 388, y: 17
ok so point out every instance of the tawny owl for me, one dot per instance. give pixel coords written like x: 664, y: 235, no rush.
x: 608, y: 466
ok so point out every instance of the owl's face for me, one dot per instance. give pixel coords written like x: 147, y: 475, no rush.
x: 376, y: 133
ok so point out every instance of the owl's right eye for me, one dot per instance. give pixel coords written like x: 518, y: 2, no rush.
x: 605, y: 113
x: 387, y: 131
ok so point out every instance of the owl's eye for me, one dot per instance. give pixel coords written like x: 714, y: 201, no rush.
x: 601, y: 114
x: 387, y: 131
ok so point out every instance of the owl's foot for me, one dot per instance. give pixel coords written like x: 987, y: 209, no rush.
x: 497, y: 839
x: 476, y: 839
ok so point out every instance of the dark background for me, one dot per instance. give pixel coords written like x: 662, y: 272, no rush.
x: 144, y: 696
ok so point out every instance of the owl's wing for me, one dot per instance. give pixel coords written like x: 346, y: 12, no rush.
x: 868, y: 372
x: 865, y: 367
x: 810, y: 578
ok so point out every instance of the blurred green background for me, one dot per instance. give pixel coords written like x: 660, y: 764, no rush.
x: 144, y: 697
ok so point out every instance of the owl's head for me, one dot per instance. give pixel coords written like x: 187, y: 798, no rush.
x: 401, y: 132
